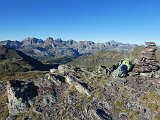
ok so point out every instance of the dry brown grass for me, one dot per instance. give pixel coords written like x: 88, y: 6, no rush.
x: 22, y: 75
x: 4, y: 113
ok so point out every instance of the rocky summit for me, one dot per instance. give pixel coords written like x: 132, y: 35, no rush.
x: 73, y: 93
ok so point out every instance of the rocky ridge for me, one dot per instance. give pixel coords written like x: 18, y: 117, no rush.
x: 46, y: 50
x: 73, y: 93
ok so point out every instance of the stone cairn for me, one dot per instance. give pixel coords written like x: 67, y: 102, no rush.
x: 148, y: 64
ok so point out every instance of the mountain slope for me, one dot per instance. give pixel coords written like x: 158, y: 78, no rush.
x: 108, y: 58
x: 16, y: 61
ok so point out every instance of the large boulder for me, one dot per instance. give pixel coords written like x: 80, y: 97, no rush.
x: 20, y: 96
x: 63, y: 68
x: 80, y: 87
x: 34, y: 95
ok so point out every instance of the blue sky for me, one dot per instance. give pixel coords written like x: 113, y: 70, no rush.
x: 128, y: 21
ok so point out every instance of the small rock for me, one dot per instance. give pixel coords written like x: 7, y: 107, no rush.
x: 103, y: 115
x: 53, y: 70
x: 64, y: 68
x: 150, y: 43
x: 77, y: 69
x: 37, y: 110
x: 49, y: 100
x: 149, y: 75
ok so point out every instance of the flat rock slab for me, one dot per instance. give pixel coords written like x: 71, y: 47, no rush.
x: 152, y: 48
x: 73, y: 80
x: 150, y: 43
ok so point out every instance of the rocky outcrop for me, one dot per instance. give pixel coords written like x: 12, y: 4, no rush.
x: 84, y: 95
x: 56, y: 79
x: 63, y: 68
x: 104, y: 70
x: 20, y: 96
x: 33, y: 95
x: 148, y: 64
x: 72, y: 80
x: 53, y: 70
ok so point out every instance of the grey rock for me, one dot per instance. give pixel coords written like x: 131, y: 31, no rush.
x: 72, y: 80
x: 150, y: 49
x: 103, y: 115
x: 48, y: 100
x: 20, y: 94
x: 53, y: 70
x: 65, y: 68
x: 54, y: 79
x: 102, y: 69
x: 157, y: 74
x: 148, y: 65
x: 150, y: 43
x: 37, y: 110
x: 150, y: 75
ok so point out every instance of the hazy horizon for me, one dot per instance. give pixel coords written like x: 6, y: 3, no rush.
x: 124, y: 21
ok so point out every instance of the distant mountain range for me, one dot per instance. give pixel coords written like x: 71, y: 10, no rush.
x: 59, y: 51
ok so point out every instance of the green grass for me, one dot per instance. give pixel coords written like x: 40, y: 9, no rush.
x: 107, y: 58
x: 61, y: 60
x: 135, y: 54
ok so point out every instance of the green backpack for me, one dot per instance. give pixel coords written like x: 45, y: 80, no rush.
x: 128, y: 64
x: 119, y: 72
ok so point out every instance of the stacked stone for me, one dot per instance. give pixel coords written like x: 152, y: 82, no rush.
x: 148, y: 63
